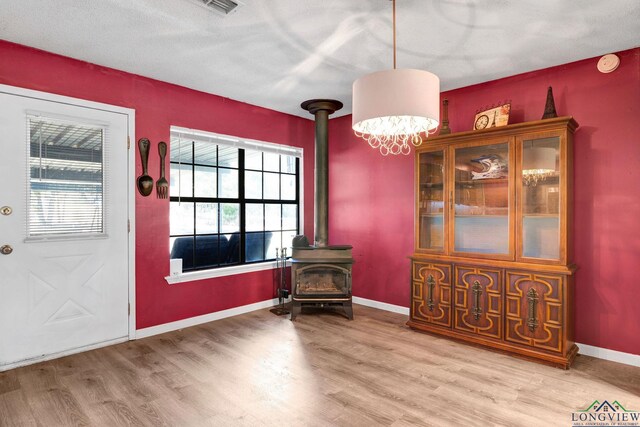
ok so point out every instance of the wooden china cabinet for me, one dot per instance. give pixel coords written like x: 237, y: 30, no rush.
x: 493, y: 256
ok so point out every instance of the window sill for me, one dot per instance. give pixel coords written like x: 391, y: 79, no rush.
x: 221, y: 272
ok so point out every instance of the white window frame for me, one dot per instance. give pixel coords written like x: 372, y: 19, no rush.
x: 250, y: 144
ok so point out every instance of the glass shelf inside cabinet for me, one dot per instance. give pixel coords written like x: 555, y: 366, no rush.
x: 481, y: 197
x: 431, y: 201
x: 541, y: 198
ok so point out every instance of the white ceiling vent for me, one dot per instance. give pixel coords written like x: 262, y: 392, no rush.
x: 221, y: 7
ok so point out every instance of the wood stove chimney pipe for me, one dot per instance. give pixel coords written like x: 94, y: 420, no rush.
x: 321, y: 109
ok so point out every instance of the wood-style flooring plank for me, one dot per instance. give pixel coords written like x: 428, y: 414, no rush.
x: 258, y: 369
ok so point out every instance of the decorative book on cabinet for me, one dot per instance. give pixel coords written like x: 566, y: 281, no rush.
x: 493, y: 256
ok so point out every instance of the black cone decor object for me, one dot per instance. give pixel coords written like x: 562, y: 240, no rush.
x: 550, y: 106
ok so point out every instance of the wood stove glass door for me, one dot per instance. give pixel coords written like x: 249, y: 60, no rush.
x: 323, y: 279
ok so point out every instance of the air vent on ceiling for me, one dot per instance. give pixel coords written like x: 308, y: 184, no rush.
x: 221, y: 7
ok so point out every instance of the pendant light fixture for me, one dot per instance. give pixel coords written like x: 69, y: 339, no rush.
x: 538, y: 164
x: 395, y: 108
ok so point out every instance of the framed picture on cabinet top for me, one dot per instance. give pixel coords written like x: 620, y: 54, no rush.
x: 493, y: 117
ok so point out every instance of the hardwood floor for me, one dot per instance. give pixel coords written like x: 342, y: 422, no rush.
x: 258, y: 369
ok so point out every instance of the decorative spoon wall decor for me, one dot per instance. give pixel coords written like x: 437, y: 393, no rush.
x: 162, y: 185
x: 144, y: 181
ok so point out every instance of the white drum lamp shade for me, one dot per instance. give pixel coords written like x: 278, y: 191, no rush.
x: 539, y: 158
x: 394, y: 107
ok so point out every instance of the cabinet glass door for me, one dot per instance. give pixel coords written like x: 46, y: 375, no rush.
x: 541, y: 198
x: 481, y: 196
x: 431, y: 200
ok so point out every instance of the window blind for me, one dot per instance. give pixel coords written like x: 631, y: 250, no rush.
x: 66, y: 178
x: 179, y: 133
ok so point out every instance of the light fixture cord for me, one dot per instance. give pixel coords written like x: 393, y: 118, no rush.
x: 394, y: 34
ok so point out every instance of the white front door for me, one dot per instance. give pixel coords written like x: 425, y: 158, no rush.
x: 64, y: 262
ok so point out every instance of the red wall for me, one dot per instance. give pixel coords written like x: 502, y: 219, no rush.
x: 159, y: 105
x: 371, y: 197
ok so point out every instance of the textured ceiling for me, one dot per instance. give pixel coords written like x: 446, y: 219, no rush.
x: 278, y: 53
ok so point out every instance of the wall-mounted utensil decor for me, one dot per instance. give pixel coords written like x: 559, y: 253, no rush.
x: 162, y: 185
x: 144, y: 182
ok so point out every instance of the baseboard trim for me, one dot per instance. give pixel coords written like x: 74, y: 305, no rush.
x: 51, y: 356
x: 205, y: 318
x: 381, y: 305
x: 587, y: 350
x: 611, y: 355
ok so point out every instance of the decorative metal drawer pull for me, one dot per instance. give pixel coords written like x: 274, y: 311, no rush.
x: 477, y: 291
x: 532, y: 297
x: 431, y: 282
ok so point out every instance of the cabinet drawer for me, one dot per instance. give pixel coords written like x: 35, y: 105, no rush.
x: 431, y: 293
x: 478, y: 301
x: 534, y: 310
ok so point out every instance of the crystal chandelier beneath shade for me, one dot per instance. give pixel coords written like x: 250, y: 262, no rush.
x: 538, y: 164
x: 395, y: 108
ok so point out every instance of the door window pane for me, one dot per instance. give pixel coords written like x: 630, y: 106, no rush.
x: 66, y: 192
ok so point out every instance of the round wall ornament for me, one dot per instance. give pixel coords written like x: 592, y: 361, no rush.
x: 608, y: 63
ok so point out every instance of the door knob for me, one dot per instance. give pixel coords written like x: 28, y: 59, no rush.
x: 6, y: 210
x: 6, y: 249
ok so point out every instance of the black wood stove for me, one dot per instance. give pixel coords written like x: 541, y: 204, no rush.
x: 321, y: 274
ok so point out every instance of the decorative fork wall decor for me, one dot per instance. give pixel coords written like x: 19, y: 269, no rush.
x: 162, y: 185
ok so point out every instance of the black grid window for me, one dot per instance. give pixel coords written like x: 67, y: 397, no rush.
x: 230, y: 205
